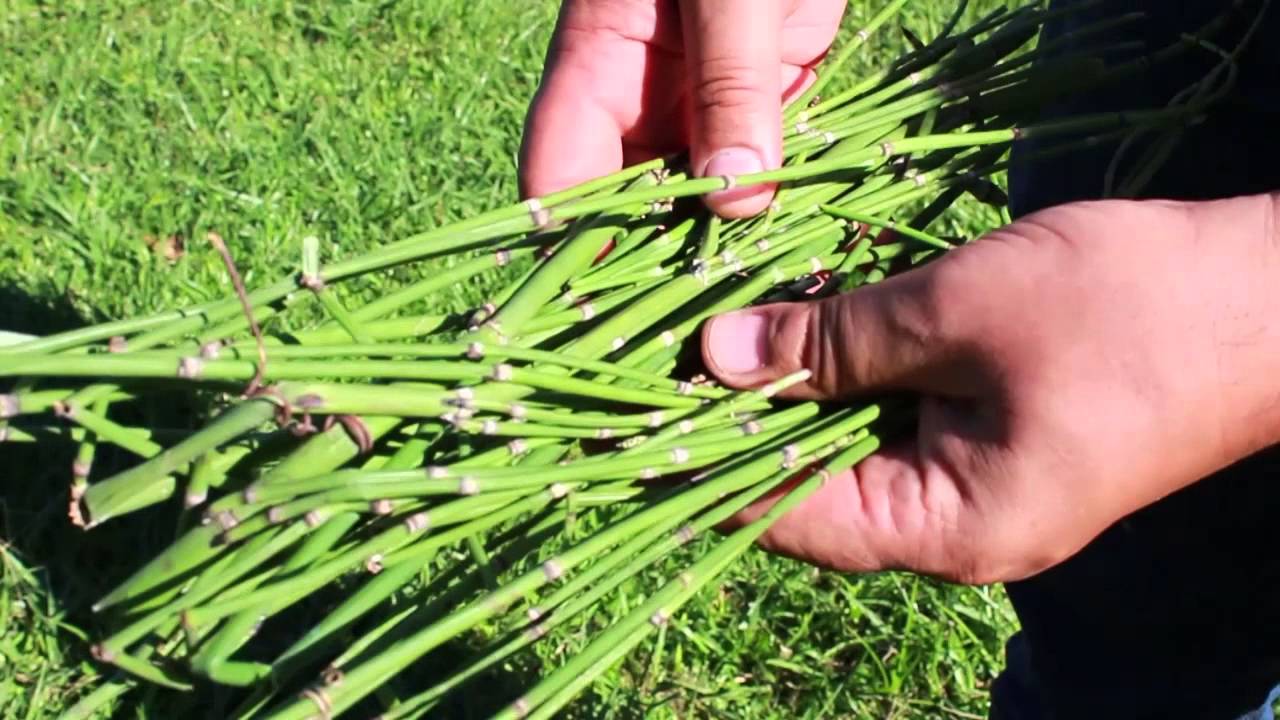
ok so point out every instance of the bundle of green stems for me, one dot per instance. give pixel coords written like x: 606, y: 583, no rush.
x: 497, y: 474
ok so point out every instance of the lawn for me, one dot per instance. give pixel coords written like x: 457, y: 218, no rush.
x: 130, y: 129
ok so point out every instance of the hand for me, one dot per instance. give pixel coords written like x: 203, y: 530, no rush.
x: 1073, y: 368
x: 629, y: 80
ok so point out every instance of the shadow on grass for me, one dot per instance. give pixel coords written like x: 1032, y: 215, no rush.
x: 77, y: 566
x: 22, y: 313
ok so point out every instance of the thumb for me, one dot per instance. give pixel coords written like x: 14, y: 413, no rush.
x: 892, y: 335
x: 734, y: 54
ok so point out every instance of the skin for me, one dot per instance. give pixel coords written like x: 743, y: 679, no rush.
x: 1072, y: 367
x: 629, y: 80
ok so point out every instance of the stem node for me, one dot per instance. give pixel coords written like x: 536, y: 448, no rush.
x: 418, y: 522
x: 320, y: 699
x: 190, y: 368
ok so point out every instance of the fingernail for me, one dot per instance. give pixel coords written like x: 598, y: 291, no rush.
x: 738, y: 342
x: 733, y: 161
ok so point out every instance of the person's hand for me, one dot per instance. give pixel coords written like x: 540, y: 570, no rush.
x: 629, y: 80
x: 1074, y: 367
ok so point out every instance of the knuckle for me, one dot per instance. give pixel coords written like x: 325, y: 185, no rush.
x: 945, y: 302
x: 922, y: 316
x: 624, y: 19
x: 943, y: 290
x: 828, y: 346
x: 728, y: 84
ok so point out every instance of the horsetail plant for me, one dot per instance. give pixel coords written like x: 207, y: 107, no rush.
x: 488, y: 478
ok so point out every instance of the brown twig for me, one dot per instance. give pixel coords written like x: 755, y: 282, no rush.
x: 216, y: 240
x: 356, y: 429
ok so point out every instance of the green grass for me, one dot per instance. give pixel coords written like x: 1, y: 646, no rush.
x: 128, y: 130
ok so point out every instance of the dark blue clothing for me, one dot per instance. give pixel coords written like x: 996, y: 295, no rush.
x: 1175, y: 611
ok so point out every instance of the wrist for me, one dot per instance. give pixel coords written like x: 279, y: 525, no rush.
x: 1236, y: 246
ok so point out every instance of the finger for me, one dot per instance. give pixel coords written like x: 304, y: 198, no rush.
x: 795, y: 80
x: 892, y: 335
x: 806, y: 39
x: 734, y: 54
x: 594, y: 103
x: 568, y: 139
x: 905, y: 507
x: 872, y: 518
x: 809, y: 30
